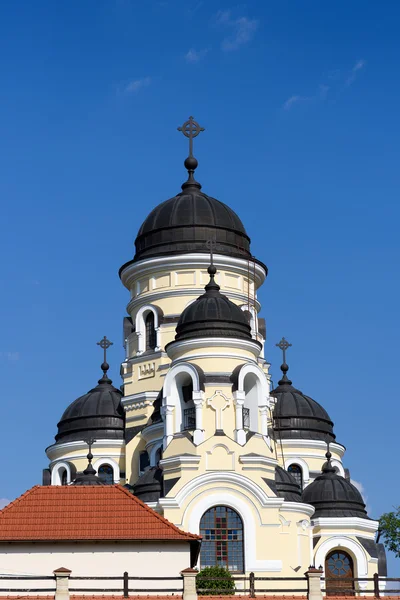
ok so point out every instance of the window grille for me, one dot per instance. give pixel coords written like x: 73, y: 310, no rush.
x: 189, y: 418
x: 222, y: 531
x: 150, y: 332
x: 246, y: 418
x: 297, y: 473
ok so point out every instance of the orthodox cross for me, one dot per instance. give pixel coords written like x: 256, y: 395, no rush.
x: 105, y: 344
x: 283, y: 345
x: 211, y: 245
x: 190, y: 129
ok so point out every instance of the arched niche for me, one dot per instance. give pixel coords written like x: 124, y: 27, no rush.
x: 62, y: 473
x: 182, y: 401
x: 147, y: 327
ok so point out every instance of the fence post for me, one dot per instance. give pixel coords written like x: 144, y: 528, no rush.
x: 251, y: 585
x: 62, y: 576
x: 314, y: 583
x: 376, y: 585
x: 189, y: 584
x: 126, y: 584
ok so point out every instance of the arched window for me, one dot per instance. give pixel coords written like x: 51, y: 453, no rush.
x: 222, y: 532
x: 150, y: 331
x: 339, y: 573
x: 297, y: 473
x: 64, y: 477
x: 106, y: 474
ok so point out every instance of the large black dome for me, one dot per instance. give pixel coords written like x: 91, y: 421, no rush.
x: 98, y: 414
x: 187, y: 221
x: 334, y: 496
x: 212, y: 315
x: 297, y: 416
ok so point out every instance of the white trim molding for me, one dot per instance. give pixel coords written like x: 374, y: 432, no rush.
x: 106, y: 460
x: 135, y: 270
x: 207, y: 501
x: 55, y: 473
x: 64, y: 450
x: 138, y: 401
x: 176, y: 348
x: 354, y: 523
x: 348, y: 545
x: 140, y: 327
x: 334, y: 447
x: 296, y: 460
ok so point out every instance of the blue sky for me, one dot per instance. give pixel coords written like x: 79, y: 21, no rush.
x: 300, y: 104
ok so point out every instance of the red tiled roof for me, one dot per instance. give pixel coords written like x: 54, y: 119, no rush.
x: 103, y: 512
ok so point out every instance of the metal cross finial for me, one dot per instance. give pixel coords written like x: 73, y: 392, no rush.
x: 211, y: 245
x: 283, y: 345
x: 191, y: 129
x: 105, y: 344
x: 90, y: 441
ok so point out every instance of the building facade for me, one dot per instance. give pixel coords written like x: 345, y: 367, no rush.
x: 197, y: 432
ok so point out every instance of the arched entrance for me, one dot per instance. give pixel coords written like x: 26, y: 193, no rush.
x: 222, y: 531
x: 339, y: 573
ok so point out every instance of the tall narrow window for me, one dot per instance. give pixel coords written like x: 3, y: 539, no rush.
x: 64, y: 477
x: 339, y: 573
x: 150, y: 332
x: 297, y: 473
x: 222, y: 531
x: 106, y: 474
x: 144, y: 461
x: 158, y: 455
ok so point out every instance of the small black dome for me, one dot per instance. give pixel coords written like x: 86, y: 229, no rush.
x: 88, y: 476
x: 212, y: 315
x: 148, y: 487
x: 98, y: 414
x: 297, y: 416
x: 187, y: 221
x: 334, y: 496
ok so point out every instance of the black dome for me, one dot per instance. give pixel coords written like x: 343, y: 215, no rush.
x: 88, y: 476
x: 334, y: 496
x: 187, y: 221
x: 148, y: 487
x: 285, y: 486
x: 212, y: 315
x: 98, y: 414
x: 297, y: 416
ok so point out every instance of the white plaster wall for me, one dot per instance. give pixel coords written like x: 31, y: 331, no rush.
x: 143, y: 559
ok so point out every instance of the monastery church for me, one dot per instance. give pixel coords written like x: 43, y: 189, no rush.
x: 251, y: 476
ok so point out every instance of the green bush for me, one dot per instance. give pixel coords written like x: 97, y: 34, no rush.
x: 215, y: 581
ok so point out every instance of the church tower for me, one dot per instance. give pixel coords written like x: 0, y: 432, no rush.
x: 197, y: 432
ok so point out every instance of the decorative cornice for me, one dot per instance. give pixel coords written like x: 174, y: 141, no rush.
x: 185, y: 460
x: 257, y: 459
x: 366, y: 525
x: 298, y: 507
x: 134, y: 270
x: 334, y: 447
x: 56, y: 451
x: 152, y: 297
x: 138, y: 401
x: 198, y: 343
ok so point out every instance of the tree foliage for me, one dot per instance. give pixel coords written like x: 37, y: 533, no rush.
x: 215, y: 581
x: 389, y: 526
